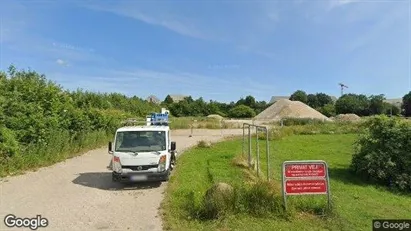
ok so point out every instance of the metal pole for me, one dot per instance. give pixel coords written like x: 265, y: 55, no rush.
x: 258, y: 152
x: 283, y: 187
x: 328, y: 186
x: 243, y: 138
x: 268, y: 155
x: 249, y: 146
x: 192, y: 124
x: 221, y: 127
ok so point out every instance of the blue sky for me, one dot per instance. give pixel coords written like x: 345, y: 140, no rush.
x: 220, y: 50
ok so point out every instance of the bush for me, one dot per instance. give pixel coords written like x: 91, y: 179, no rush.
x: 301, y: 121
x: 261, y: 199
x: 39, y: 119
x: 241, y: 111
x: 383, y: 153
x: 8, y: 144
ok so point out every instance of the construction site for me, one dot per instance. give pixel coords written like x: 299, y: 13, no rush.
x: 284, y: 109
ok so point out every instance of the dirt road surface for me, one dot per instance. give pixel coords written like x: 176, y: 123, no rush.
x: 78, y: 194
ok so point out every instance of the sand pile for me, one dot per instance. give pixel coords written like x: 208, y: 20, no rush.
x: 285, y: 108
x: 347, y: 117
x: 215, y: 116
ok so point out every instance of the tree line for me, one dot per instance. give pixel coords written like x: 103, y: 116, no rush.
x: 358, y: 104
x: 244, y: 108
x: 38, y: 116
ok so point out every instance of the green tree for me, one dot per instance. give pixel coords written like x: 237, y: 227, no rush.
x: 241, y: 111
x: 328, y: 110
x: 168, y: 100
x: 312, y: 101
x: 250, y: 101
x: 299, y: 95
x: 406, y: 104
x: 391, y: 109
x: 323, y: 99
x: 383, y: 153
x: 352, y: 103
x: 377, y: 104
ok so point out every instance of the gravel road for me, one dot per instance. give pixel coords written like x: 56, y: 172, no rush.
x: 78, y: 194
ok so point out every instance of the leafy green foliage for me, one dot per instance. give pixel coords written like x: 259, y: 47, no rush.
x: 384, y: 152
x: 391, y: 109
x: 312, y: 101
x: 34, y: 112
x: 323, y: 99
x: 376, y: 104
x: 168, y: 100
x: 327, y: 110
x: 199, y: 107
x: 406, y: 104
x: 241, y: 111
x: 8, y: 144
x: 352, y: 103
x: 299, y: 95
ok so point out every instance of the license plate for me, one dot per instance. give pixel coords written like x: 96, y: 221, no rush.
x: 138, y: 178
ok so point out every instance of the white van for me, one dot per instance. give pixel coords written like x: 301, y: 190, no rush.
x: 143, y: 153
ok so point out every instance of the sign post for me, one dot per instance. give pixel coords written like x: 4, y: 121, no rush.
x: 308, y: 177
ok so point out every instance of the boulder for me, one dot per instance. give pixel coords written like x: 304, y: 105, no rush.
x: 219, y: 199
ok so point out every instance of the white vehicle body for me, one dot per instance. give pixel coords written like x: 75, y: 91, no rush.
x: 142, y: 153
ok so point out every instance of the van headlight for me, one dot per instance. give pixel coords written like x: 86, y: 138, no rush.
x: 116, y: 165
x: 162, y: 163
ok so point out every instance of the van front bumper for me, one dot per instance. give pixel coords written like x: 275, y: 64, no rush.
x: 141, y: 176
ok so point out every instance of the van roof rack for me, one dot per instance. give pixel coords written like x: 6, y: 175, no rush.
x: 154, y: 119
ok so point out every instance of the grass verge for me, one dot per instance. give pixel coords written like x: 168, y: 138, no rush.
x: 355, y: 203
x: 61, y: 147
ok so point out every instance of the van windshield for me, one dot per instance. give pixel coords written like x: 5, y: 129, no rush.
x: 140, y: 141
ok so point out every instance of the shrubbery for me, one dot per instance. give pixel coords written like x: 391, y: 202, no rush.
x: 241, y: 111
x: 384, y: 152
x: 41, y: 123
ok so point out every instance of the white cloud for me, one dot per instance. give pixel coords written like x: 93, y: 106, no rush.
x: 62, y: 62
x: 338, y: 3
x: 146, y: 82
x: 247, y: 24
x: 169, y: 22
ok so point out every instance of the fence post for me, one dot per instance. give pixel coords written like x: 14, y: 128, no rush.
x: 243, y: 138
x: 249, y: 146
x: 258, y: 152
x: 268, y: 155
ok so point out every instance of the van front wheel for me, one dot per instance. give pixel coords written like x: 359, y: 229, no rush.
x: 172, y: 162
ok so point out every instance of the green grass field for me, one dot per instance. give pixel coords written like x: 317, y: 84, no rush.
x: 355, y: 203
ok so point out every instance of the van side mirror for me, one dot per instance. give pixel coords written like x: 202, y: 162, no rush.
x: 110, y: 148
x: 173, y: 145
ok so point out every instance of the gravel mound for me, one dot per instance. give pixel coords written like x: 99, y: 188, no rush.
x: 215, y: 116
x: 285, y: 108
x: 347, y: 117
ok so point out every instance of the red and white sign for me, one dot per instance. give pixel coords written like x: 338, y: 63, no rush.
x: 304, y: 170
x: 305, y: 178
x: 298, y: 187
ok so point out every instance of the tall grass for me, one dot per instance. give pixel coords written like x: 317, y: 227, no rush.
x: 60, y: 147
x: 200, y: 122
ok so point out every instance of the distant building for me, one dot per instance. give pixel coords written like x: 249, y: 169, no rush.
x: 153, y: 99
x: 397, y: 102
x: 177, y: 98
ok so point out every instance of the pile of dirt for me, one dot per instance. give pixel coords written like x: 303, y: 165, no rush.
x: 347, y: 117
x: 285, y: 108
x: 215, y: 116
